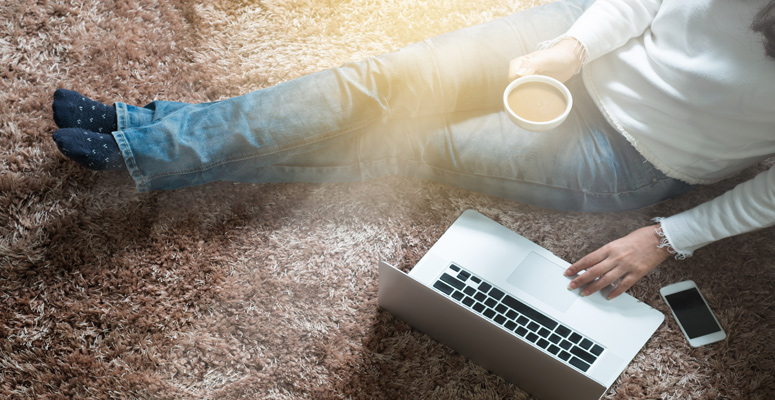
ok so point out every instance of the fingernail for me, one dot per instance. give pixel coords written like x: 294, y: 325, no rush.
x: 584, y: 294
x: 522, y: 71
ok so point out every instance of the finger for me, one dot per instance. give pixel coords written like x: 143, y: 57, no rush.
x: 603, y: 281
x: 592, y: 274
x: 586, y: 262
x: 519, y: 68
x: 623, y: 286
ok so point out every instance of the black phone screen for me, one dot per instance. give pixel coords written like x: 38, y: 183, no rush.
x: 692, y: 313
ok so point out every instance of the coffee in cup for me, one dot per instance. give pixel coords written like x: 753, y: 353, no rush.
x: 537, y: 102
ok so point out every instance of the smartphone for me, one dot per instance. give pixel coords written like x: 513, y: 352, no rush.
x: 692, y: 313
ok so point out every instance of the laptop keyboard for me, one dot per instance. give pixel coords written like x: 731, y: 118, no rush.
x: 531, y: 325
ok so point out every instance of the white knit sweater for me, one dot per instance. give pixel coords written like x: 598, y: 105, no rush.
x: 688, y: 83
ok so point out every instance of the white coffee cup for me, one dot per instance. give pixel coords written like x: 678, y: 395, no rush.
x: 542, y: 99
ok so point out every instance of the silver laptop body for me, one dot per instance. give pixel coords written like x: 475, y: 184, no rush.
x: 502, y: 300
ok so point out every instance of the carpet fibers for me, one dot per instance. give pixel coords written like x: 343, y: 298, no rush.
x: 268, y: 291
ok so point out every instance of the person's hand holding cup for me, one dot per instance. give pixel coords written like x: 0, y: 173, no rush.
x: 536, y: 99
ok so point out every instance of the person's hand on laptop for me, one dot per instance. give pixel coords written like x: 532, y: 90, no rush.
x: 628, y: 259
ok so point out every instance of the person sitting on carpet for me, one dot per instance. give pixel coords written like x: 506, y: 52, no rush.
x: 670, y: 94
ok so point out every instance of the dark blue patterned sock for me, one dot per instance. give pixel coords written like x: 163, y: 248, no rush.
x: 96, y: 151
x: 73, y: 110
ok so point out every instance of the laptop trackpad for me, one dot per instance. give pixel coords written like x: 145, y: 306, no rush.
x: 543, y: 280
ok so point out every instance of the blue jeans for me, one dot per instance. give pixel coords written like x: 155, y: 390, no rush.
x: 431, y: 110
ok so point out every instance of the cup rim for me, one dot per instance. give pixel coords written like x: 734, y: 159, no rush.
x: 542, y: 79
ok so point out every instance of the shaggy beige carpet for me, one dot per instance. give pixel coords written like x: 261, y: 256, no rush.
x: 232, y: 291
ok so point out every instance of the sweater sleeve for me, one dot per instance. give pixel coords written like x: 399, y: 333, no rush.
x: 747, y: 207
x: 609, y: 24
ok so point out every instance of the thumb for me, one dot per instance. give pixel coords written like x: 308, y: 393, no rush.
x: 520, y: 67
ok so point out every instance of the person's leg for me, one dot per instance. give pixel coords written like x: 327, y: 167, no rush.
x: 583, y: 165
x: 131, y: 116
x: 86, y: 126
x: 232, y: 139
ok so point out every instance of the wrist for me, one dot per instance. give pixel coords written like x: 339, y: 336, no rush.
x: 663, y: 243
x: 668, y: 241
x: 575, y: 50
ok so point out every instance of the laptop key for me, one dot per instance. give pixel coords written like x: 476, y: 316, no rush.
x: 479, y: 307
x: 563, y: 331
x: 499, y: 319
x: 521, y: 331
x: 585, y: 344
x: 555, y: 338
x: 491, y: 303
x: 458, y: 295
x: 510, y: 325
x: 564, y: 355
x: 443, y: 287
x: 553, y: 349
x: 502, y: 309
x: 522, y: 320
x: 566, y: 344
x: 496, y: 294
x: 480, y: 296
x: 579, y: 364
x: 533, y: 326
x: 543, y: 343
x: 463, y: 275
x: 531, y: 337
x: 596, y: 350
x: 485, y: 287
x: 511, y: 315
x: 529, y: 312
x: 489, y: 313
x: 542, y: 332
x: 452, y: 281
x: 469, y: 301
x: 582, y: 354
x: 574, y: 337
x: 454, y: 267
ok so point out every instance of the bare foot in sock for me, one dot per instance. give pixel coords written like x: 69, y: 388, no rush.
x: 95, y: 151
x: 73, y: 110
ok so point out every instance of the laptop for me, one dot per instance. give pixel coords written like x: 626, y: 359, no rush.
x: 502, y: 301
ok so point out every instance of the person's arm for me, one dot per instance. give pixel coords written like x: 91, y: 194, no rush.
x: 604, y: 26
x: 608, y: 24
x: 747, y: 207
